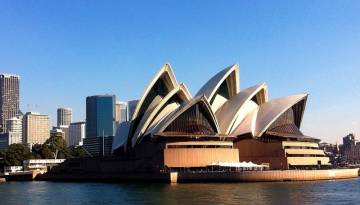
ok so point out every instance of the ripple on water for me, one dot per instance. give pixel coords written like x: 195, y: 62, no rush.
x: 319, y: 192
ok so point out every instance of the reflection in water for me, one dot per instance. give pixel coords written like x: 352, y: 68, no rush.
x: 320, y: 192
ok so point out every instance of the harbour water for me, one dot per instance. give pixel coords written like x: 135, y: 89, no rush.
x: 314, y: 192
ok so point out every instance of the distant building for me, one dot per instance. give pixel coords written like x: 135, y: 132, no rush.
x: 351, y: 149
x: 100, y: 116
x: 76, y: 134
x: 65, y: 130
x: 100, y: 124
x: 349, y: 141
x: 98, y: 146
x: 64, y: 116
x: 7, y: 139
x: 332, y: 151
x: 14, y: 126
x: 55, y: 132
x: 13, y: 133
x: 131, y: 108
x: 12, y: 169
x: 41, y: 165
x: 121, y: 112
x: 35, y: 128
x: 9, y: 98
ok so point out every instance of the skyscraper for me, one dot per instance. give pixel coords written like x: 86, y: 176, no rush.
x: 13, y: 133
x: 9, y: 98
x: 36, y: 128
x: 14, y: 126
x: 121, y: 112
x: 131, y: 108
x: 64, y: 116
x: 76, y: 134
x: 100, y: 115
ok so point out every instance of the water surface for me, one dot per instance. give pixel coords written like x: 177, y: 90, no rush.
x: 320, y: 192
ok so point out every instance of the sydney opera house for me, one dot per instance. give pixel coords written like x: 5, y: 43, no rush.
x: 172, y: 129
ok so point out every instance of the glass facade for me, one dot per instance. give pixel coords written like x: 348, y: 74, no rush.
x: 100, y: 116
x: 194, y: 121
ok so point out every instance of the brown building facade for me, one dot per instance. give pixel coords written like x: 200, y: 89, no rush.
x: 9, y: 98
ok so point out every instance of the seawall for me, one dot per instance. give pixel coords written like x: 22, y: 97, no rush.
x: 186, y: 177
x: 268, y: 176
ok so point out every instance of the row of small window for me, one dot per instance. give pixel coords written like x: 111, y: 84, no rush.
x: 304, y: 155
x: 198, y: 146
x: 299, y: 147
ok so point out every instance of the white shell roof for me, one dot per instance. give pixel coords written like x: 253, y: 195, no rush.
x: 261, y: 119
x: 234, y: 107
x: 270, y: 111
x: 165, y: 70
x: 237, y: 115
x: 211, y: 86
x: 148, y: 117
x: 176, y: 113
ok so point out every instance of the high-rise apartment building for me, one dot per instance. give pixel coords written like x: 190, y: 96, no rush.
x: 349, y: 141
x: 76, y: 134
x: 131, y: 108
x: 36, y: 128
x: 64, y: 116
x: 100, y: 116
x: 121, y: 112
x: 9, y: 98
x: 14, y: 126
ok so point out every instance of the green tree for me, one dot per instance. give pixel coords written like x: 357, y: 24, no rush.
x: 46, y: 152
x: 77, y: 152
x: 55, y: 144
x: 2, y: 161
x: 36, y: 151
x: 16, y: 154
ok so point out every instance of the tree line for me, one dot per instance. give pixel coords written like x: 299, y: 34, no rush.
x: 54, y: 147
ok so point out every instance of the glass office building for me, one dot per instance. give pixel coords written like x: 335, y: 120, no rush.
x: 100, y: 116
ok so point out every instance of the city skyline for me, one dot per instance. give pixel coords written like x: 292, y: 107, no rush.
x: 104, y: 54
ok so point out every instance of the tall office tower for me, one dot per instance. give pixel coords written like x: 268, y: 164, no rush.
x: 14, y: 127
x: 131, y: 108
x: 76, y: 134
x: 121, y: 114
x: 36, y: 128
x: 100, y: 116
x: 9, y: 98
x: 349, y: 141
x: 64, y: 116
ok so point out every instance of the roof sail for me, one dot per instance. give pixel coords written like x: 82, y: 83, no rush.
x: 220, y: 88
x: 233, y: 112
x: 179, y: 95
x: 192, y: 118
x: 162, y: 84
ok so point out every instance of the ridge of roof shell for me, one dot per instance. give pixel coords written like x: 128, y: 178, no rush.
x: 211, y: 86
x: 258, y: 121
x: 150, y: 114
x: 273, y: 109
x: 165, y: 69
x: 234, y: 108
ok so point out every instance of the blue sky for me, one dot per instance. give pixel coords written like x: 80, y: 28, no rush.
x: 67, y: 50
